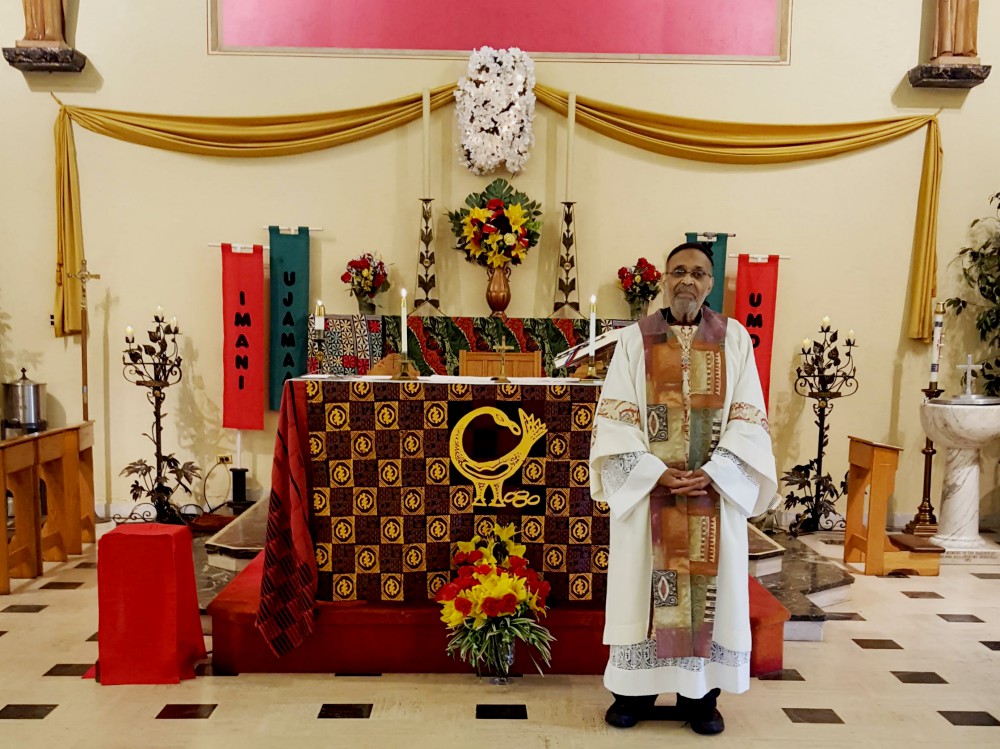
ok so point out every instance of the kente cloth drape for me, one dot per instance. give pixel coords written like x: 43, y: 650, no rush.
x: 684, y: 138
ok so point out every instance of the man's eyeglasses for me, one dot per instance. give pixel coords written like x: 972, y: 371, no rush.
x: 697, y: 274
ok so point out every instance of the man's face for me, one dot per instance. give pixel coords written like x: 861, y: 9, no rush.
x: 689, y: 282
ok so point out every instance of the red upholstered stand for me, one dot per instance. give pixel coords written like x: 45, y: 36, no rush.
x: 150, y: 628
x: 767, y: 630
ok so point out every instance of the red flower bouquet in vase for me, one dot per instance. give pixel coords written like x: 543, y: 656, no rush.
x: 493, y: 602
x: 641, y: 284
x: 367, y: 276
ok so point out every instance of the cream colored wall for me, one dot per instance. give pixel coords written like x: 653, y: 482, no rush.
x: 149, y: 215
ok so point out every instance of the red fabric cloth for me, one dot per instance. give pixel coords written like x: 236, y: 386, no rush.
x: 243, y: 361
x: 149, y: 623
x: 756, y: 290
x: 288, y: 588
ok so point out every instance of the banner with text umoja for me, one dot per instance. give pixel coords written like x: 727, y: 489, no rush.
x: 756, y: 290
x: 243, y: 338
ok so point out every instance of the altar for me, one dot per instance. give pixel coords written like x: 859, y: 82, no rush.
x: 375, y: 481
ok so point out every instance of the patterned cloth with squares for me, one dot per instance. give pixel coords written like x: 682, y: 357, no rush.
x: 389, y: 505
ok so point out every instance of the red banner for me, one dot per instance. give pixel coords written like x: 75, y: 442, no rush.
x: 756, y: 290
x: 243, y: 361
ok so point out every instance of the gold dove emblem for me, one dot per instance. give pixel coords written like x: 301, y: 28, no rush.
x: 491, y: 474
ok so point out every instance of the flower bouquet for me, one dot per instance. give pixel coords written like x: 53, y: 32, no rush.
x: 641, y: 284
x: 498, y: 225
x: 367, y: 276
x: 494, y: 108
x: 492, y: 602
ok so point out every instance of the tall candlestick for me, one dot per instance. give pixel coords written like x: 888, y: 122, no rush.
x: 427, y: 142
x: 593, y: 321
x: 402, y: 323
x: 570, y: 137
x: 937, y: 342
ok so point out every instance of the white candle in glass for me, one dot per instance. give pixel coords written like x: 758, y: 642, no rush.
x: 825, y: 321
x: 806, y: 344
x: 593, y: 321
x: 936, y: 343
x: 129, y: 332
x: 402, y: 322
x: 427, y: 141
x: 319, y: 316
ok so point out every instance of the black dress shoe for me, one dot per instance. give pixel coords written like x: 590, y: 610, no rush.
x: 626, y: 711
x: 702, y: 715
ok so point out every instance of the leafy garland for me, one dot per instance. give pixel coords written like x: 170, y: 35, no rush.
x: 494, y: 108
x: 498, y: 225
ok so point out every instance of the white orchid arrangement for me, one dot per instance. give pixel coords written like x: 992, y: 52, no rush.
x: 495, y: 106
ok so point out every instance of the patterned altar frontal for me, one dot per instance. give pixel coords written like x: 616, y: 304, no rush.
x: 402, y: 471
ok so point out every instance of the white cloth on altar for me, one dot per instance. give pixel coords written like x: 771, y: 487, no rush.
x: 622, y: 473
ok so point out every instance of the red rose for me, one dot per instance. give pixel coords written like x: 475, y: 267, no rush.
x: 508, y: 604
x: 466, y: 571
x: 494, y: 204
x: 447, y: 593
x: 346, y: 278
x: 463, y: 606
x: 489, y: 229
x: 483, y: 569
x: 461, y: 558
x: 643, y: 261
x: 490, y: 606
x: 516, y: 562
x: 474, y: 556
x: 627, y: 283
x: 464, y: 583
x: 647, y: 275
x: 622, y: 273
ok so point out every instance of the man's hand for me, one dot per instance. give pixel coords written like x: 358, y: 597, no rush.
x: 685, y: 483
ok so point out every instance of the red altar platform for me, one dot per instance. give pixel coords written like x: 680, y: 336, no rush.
x: 383, y: 638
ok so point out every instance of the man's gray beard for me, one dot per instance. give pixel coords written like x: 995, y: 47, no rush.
x: 684, y: 308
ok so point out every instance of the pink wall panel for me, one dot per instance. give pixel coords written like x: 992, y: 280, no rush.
x: 743, y: 28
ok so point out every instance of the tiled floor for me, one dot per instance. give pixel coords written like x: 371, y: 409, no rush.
x: 906, y: 671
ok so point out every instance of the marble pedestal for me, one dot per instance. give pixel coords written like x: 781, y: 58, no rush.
x: 962, y: 430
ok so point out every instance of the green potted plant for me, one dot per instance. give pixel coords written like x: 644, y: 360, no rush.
x: 981, y: 273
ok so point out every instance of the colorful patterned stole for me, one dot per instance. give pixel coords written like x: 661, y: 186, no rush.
x: 685, y: 395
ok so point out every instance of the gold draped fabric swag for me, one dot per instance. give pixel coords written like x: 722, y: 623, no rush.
x: 698, y: 140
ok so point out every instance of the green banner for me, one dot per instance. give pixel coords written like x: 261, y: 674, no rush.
x: 289, y: 308
x: 714, y: 300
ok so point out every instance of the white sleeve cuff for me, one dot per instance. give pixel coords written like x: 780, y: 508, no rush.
x: 637, y: 486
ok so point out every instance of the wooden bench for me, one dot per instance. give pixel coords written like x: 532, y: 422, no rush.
x: 63, y: 459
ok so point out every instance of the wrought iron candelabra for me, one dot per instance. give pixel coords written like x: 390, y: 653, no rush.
x: 825, y: 374
x: 156, y: 366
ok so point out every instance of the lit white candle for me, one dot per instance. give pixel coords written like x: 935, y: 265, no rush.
x: 173, y: 323
x: 427, y: 142
x: 319, y: 316
x: 593, y: 321
x: 570, y: 137
x: 850, y: 334
x: 825, y: 321
x: 807, y: 344
x: 129, y: 331
x: 159, y: 311
x: 402, y: 322
x: 937, y: 342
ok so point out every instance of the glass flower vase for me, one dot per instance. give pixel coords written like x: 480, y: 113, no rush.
x: 500, y: 663
x: 366, y: 304
x: 638, y: 308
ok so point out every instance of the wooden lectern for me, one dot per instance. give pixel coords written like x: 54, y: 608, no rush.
x: 874, y: 465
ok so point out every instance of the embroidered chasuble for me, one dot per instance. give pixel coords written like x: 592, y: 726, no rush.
x: 686, y: 397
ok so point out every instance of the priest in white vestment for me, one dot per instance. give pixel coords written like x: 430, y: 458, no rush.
x: 682, y: 455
